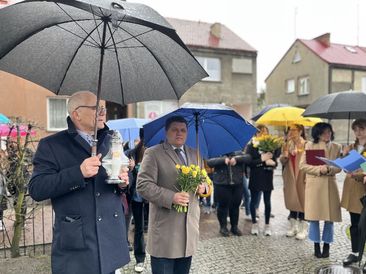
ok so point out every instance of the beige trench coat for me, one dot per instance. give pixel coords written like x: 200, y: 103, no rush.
x: 293, y: 183
x: 170, y: 234
x: 322, y: 201
x: 353, y: 191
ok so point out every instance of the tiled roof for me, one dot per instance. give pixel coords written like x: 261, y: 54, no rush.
x: 198, y: 34
x: 337, y: 53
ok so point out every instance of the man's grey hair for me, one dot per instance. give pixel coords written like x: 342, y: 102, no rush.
x: 77, y: 99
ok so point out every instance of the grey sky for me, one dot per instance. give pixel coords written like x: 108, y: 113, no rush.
x: 269, y: 26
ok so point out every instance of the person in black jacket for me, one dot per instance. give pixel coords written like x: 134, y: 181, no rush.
x: 261, y: 167
x: 228, y: 189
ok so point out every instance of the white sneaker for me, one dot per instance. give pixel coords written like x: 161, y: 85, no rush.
x: 1, y: 226
x: 254, y: 230
x: 267, y: 230
x: 139, y: 267
x: 247, y: 218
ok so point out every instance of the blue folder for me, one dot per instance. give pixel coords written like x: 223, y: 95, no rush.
x: 349, y: 163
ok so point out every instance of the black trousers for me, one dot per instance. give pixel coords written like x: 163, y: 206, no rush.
x: 171, y: 266
x: 355, y: 219
x: 138, y: 239
x: 228, y: 199
x: 255, y: 196
x: 297, y: 215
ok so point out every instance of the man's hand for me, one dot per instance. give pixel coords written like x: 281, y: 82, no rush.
x: 181, y: 198
x: 90, y: 166
x: 233, y: 161
x: 227, y: 161
x: 124, y: 177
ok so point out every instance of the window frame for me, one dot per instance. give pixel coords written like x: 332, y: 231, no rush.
x: 300, y: 93
x: 204, y: 64
x: 49, y: 128
x: 287, y: 85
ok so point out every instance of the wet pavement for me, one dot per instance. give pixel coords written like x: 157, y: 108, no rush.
x: 261, y: 254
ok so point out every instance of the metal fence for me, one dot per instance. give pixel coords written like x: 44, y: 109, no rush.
x: 36, y: 235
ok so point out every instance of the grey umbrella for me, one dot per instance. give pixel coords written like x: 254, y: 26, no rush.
x: 340, y: 105
x: 123, y: 52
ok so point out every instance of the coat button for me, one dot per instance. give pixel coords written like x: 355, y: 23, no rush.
x: 115, y: 215
x: 99, y: 218
x: 97, y: 194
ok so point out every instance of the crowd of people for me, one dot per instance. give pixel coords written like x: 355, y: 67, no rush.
x: 92, y: 217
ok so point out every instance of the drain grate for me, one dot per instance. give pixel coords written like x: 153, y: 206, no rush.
x: 337, y: 269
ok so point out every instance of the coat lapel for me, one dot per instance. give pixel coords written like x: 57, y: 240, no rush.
x: 171, y: 153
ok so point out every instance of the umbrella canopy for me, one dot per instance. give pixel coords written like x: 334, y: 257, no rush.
x: 4, y: 119
x: 339, y: 105
x: 11, y: 130
x: 59, y: 45
x: 214, y: 129
x: 265, y: 109
x: 128, y: 127
x: 286, y: 116
x: 123, y: 52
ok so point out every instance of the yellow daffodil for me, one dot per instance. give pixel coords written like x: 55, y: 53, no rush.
x: 204, y: 172
x: 177, y: 166
x: 185, y: 170
x: 194, y: 174
x: 364, y: 154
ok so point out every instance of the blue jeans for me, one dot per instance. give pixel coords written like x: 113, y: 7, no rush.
x: 314, y: 232
x: 246, y: 196
x: 170, y: 266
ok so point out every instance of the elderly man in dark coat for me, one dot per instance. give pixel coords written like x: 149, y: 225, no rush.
x: 89, y: 231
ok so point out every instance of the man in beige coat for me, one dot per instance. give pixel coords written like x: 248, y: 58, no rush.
x: 172, y: 236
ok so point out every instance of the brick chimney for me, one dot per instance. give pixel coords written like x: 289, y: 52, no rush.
x: 324, y: 39
x: 215, y: 30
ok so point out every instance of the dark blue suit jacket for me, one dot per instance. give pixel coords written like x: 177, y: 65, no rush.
x: 89, y: 234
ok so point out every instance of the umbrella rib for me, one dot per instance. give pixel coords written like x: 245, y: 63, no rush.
x: 75, y: 21
x: 73, y: 57
x: 95, y: 21
x: 118, y: 64
x: 91, y: 44
x: 132, y: 37
x: 115, y: 29
x: 126, y: 47
x: 156, y: 59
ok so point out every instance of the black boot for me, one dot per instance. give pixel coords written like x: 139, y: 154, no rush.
x: 317, y: 252
x: 236, y: 231
x: 325, y: 253
x: 224, y: 231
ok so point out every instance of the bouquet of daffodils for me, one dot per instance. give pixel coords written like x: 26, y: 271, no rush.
x: 189, y: 178
x: 267, y: 143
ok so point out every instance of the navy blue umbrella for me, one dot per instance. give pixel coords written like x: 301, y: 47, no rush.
x: 216, y: 129
x: 265, y: 109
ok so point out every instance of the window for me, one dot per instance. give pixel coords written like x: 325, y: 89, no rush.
x: 56, y: 113
x: 290, y: 86
x: 212, y: 67
x: 304, y: 86
x: 363, y: 84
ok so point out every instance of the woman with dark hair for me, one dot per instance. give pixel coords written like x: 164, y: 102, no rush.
x: 354, y: 189
x: 294, y: 180
x: 321, y: 192
x: 138, y: 205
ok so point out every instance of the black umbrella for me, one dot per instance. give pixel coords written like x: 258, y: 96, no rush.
x: 123, y: 52
x: 340, y: 105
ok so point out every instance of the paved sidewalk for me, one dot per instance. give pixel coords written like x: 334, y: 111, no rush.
x: 260, y: 254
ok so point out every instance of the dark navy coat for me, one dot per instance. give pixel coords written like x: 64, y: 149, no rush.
x: 89, y: 234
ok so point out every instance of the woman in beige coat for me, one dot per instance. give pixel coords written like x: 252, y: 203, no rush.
x: 321, y: 193
x: 294, y: 181
x: 354, y: 189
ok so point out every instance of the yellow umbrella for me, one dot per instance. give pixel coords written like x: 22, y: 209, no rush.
x: 286, y: 116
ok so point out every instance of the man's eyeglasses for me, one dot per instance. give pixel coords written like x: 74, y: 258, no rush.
x: 101, y: 109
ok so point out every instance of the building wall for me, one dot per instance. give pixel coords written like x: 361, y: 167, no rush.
x: 310, y: 65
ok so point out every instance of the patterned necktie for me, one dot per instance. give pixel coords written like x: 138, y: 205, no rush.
x: 179, y: 152
x: 89, y: 139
